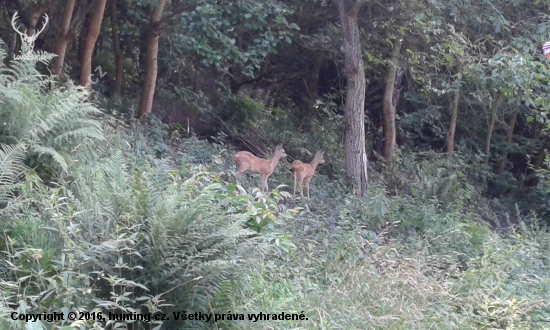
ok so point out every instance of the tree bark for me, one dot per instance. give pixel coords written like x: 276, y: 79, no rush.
x: 93, y: 33
x: 388, y: 105
x: 354, y: 115
x: 509, y: 135
x: 119, y: 59
x: 454, y: 112
x: 494, y: 111
x: 63, y: 37
x: 151, y: 69
x: 82, y: 36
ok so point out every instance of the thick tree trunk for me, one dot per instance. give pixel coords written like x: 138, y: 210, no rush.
x: 119, y: 59
x: 63, y: 37
x: 354, y: 115
x: 509, y: 135
x: 454, y: 112
x: 494, y: 111
x: 93, y: 33
x: 388, y: 105
x: 82, y: 36
x: 146, y: 104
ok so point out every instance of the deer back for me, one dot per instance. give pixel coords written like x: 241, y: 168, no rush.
x: 245, y: 159
x: 307, y: 170
x: 303, y: 170
x: 296, y: 166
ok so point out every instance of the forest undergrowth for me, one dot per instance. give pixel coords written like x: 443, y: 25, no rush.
x: 102, y: 215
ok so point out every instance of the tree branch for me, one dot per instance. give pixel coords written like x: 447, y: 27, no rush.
x: 357, y: 6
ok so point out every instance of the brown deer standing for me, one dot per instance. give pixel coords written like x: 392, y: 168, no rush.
x: 306, y: 171
x: 246, y: 161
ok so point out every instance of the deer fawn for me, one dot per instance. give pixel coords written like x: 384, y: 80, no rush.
x: 306, y: 171
x: 246, y: 161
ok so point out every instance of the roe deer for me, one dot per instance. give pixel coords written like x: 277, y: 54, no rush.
x: 246, y: 161
x: 306, y: 171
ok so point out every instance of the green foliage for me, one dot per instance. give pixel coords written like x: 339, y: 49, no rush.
x: 123, y: 230
x: 139, y: 229
x: 11, y: 169
x: 240, y: 112
x: 447, y: 271
x: 47, y: 118
x: 225, y: 33
x: 143, y: 221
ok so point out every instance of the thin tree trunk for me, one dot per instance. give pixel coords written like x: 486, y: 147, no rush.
x: 454, y: 112
x: 146, y: 104
x: 313, y: 81
x: 78, y: 45
x: 118, y: 52
x: 93, y: 32
x: 12, y: 46
x: 388, y: 105
x: 63, y: 37
x: 509, y: 135
x: 494, y: 111
x: 354, y: 115
x: 234, y: 84
x: 541, y: 155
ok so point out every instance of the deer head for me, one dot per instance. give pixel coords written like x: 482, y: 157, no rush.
x: 27, y: 42
x: 319, y: 157
x: 280, y: 151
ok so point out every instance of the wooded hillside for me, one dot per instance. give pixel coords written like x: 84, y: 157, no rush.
x: 428, y: 207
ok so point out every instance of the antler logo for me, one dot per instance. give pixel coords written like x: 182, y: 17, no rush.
x: 27, y: 42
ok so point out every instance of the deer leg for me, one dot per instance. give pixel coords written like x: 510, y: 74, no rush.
x: 307, y: 186
x: 266, y: 187
x: 239, y: 175
x: 263, y: 185
x: 294, y: 184
x: 301, y: 186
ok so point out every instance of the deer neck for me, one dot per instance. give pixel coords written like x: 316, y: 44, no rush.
x: 275, y: 161
x: 314, y: 163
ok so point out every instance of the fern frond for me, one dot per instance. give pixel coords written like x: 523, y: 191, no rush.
x: 56, y: 156
x: 11, y: 163
x: 11, y: 168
